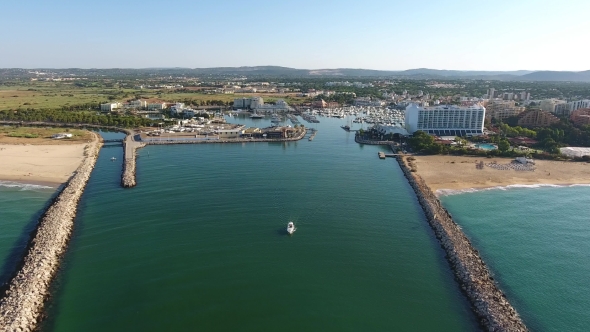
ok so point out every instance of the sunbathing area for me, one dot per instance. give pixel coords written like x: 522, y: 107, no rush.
x: 512, y: 166
x: 458, y: 172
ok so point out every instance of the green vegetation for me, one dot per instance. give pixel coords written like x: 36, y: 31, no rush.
x: 423, y: 143
x: 75, y: 117
x: 41, y: 132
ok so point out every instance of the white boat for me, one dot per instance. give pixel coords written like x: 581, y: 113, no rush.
x: 113, y: 158
x: 291, y: 227
x: 256, y: 116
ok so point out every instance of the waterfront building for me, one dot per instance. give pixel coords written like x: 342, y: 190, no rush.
x: 279, y: 106
x: 250, y: 103
x: 445, y: 120
x: 234, y: 132
x: 390, y: 129
x: 537, y: 118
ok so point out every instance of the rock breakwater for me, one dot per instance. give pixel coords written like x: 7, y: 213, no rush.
x: 22, y: 305
x: 488, y: 302
x: 130, y: 149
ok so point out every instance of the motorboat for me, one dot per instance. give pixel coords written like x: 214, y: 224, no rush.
x: 291, y: 227
x: 113, y: 158
x: 256, y: 116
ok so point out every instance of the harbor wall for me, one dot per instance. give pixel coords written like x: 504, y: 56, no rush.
x: 128, y: 177
x: 22, y: 304
x: 489, y: 303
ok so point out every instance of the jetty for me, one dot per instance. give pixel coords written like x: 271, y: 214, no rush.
x: 130, y: 155
x: 383, y: 155
x: 488, y: 302
x: 22, y: 304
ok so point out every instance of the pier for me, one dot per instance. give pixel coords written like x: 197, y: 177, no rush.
x: 488, y: 302
x: 383, y: 155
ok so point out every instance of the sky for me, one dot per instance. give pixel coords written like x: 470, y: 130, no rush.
x: 305, y: 34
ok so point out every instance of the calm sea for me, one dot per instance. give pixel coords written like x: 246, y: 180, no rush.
x: 21, y: 206
x: 200, y: 244
x: 537, y: 241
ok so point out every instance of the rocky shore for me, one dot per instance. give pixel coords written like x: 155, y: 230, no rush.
x: 22, y: 305
x: 489, y: 303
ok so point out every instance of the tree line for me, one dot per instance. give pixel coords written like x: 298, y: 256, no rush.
x: 62, y: 116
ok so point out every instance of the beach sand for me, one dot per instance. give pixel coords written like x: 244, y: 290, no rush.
x: 39, y: 164
x: 459, y: 173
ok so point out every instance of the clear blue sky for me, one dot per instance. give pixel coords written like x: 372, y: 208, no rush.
x: 310, y: 34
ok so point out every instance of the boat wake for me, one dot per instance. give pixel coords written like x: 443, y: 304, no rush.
x: 451, y: 192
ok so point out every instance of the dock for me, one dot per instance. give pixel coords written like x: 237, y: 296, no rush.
x: 383, y: 155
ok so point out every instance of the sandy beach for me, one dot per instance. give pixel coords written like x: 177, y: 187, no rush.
x: 459, y: 173
x: 39, y: 164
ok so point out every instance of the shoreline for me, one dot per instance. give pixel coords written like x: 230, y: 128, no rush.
x: 459, y: 173
x: 451, y: 192
x: 46, y: 164
x: 21, y: 304
x: 8, y: 182
x: 488, y: 302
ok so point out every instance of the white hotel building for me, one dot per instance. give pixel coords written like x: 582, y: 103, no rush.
x: 446, y: 120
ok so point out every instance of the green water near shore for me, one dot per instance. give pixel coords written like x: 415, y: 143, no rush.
x: 20, y: 207
x: 200, y: 244
x: 537, y: 241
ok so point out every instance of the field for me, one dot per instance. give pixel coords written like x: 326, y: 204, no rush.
x: 35, y: 136
x: 55, y: 95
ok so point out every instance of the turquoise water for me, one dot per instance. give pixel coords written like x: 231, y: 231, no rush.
x: 486, y: 146
x: 20, y: 207
x: 200, y: 244
x: 537, y: 241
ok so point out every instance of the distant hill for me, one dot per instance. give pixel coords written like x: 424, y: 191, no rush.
x: 571, y: 76
x: 337, y: 73
x: 420, y: 73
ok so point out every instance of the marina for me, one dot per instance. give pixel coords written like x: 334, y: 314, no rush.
x: 337, y: 273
